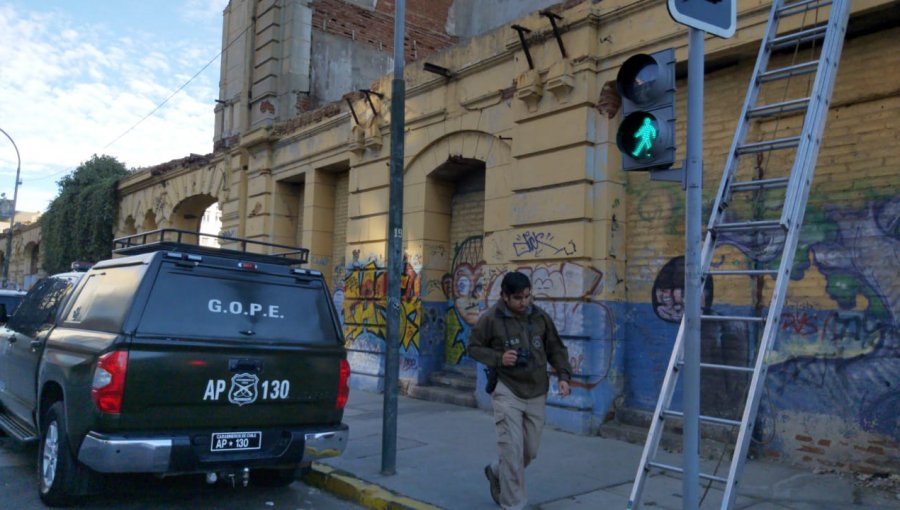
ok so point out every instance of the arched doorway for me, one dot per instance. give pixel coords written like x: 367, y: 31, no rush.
x: 198, y: 213
x: 129, y: 227
x: 32, y: 256
x: 211, y: 224
x: 463, y: 180
x: 188, y: 214
x: 149, y: 222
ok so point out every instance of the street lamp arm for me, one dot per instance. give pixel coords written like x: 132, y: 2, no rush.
x: 12, y: 218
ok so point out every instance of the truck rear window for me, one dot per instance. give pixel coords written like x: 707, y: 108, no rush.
x: 105, y: 298
x: 195, y: 304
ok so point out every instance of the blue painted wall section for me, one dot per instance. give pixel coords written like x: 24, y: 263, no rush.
x: 831, y: 395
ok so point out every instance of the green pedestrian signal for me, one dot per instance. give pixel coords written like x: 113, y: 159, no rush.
x: 646, y: 136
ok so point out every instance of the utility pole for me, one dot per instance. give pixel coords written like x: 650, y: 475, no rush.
x: 395, y: 249
x: 12, y: 218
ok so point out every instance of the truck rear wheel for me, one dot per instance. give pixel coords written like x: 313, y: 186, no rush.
x: 56, y: 465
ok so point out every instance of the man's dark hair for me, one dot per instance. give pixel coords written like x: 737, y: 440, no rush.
x: 514, y: 282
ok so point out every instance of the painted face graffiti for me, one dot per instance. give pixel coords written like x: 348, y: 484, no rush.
x: 468, y: 290
x: 668, y: 291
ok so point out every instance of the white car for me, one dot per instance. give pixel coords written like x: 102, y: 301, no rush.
x: 9, y: 300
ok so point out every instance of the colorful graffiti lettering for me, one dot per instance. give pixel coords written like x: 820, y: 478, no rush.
x: 363, y: 303
x: 536, y: 242
x: 800, y: 321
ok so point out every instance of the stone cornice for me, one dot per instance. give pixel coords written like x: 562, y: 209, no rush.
x: 315, y: 129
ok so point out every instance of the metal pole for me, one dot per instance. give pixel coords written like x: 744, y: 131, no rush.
x: 692, y: 275
x: 12, y: 218
x: 395, y: 250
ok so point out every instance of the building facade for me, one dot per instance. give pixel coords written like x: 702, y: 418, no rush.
x: 511, y: 164
x: 25, y: 264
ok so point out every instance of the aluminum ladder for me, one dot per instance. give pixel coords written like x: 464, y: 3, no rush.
x: 786, y: 30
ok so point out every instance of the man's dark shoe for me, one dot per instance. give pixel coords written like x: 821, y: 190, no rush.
x: 495, y: 483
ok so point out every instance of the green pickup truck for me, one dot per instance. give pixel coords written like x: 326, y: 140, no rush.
x: 175, y: 358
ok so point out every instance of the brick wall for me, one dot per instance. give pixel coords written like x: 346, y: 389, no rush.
x: 830, y: 397
x: 467, y: 206
x: 341, y: 204
x: 425, y: 24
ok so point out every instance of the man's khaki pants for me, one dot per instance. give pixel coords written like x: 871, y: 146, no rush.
x: 519, y: 422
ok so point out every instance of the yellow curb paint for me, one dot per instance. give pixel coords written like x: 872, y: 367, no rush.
x: 373, y: 496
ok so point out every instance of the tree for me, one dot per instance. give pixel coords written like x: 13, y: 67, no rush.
x: 79, y: 222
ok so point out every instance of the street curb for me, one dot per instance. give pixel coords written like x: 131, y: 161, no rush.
x: 346, y: 486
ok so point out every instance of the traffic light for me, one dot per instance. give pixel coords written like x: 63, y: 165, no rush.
x: 646, y: 136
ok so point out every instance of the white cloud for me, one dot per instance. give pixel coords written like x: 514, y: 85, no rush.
x: 68, y: 89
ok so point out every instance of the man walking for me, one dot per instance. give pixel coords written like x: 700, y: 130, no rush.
x: 517, y: 339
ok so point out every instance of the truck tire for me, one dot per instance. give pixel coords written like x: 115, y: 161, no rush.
x: 57, y: 467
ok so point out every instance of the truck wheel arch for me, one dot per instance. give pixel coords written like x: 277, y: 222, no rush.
x: 51, y: 393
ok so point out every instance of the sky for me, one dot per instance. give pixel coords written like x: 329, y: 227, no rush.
x: 78, y: 76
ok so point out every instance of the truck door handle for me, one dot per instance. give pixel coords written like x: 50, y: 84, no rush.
x: 244, y: 365
x: 36, y: 344
x: 12, y: 339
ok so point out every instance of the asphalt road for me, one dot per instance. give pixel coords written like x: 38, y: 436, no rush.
x: 18, y: 490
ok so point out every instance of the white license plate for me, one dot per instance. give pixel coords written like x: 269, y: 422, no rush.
x: 235, y: 441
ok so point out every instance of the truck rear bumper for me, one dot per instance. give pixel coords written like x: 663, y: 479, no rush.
x: 185, y: 453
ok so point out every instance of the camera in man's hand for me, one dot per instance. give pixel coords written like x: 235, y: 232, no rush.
x: 523, y: 356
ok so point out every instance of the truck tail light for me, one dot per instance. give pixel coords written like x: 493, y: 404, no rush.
x: 343, y: 386
x: 108, y: 386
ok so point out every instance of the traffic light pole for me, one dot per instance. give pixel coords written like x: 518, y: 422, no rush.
x: 692, y: 274
x: 395, y: 249
x: 12, y: 218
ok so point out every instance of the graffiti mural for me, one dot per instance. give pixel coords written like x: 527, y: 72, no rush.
x: 361, y: 298
x: 541, y: 244
x: 668, y: 292
x: 464, y: 286
x: 846, y: 361
x: 722, y: 392
x: 561, y: 289
x: 835, y: 364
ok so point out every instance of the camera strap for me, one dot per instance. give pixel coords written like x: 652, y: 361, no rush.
x: 529, y: 330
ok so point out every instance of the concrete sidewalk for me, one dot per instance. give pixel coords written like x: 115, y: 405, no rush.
x: 442, y: 450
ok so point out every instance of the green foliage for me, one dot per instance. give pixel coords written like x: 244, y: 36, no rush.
x: 79, y: 222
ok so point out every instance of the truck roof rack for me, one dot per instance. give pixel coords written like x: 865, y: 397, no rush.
x: 169, y: 239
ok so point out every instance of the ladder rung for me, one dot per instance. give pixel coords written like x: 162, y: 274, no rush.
x: 744, y: 272
x: 676, y: 469
x: 769, y: 145
x: 777, y: 182
x: 731, y: 368
x: 803, y: 36
x: 769, y: 110
x: 748, y: 225
x: 717, y: 366
x: 704, y: 418
x: 805, y: 5
x: 789, y: 71
x: 746, y: 318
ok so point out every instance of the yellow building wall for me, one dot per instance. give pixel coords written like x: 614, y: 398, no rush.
x: 556, y: 206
